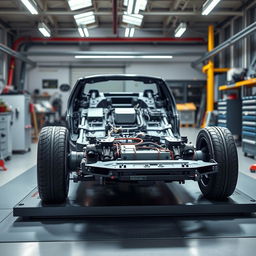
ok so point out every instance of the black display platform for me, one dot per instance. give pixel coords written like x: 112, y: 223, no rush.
x: 89, y: 199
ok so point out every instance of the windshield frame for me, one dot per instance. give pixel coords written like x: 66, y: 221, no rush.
x: 163, y: 90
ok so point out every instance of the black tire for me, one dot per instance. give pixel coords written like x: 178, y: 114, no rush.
x: 218, y: 143
x: 52, y: 171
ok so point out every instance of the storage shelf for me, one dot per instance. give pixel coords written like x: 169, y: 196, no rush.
x: 249, y: 82
x: 249, y: 125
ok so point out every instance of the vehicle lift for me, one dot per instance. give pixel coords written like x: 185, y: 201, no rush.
x: 123, y: 200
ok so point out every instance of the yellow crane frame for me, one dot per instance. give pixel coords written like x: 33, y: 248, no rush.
x: 210, y: 70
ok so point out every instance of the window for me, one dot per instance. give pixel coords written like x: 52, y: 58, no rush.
x: 217, y: 57
x: 226, y: 52
x: 238, y: 46
x: 252, y: 38
x: 1, y: 57
x: 120, y: 86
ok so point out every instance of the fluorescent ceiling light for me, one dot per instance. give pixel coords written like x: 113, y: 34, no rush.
x: 208, y: 6
x: 86, y: 32
x: 179, y: 31
x: 104, y: 57
x: 31, y: 6
x: 130, y: 6
x: 132, y: 30
x: 44, y: 29
x: 83, y: 32
x: 133, y: 19
x: 129, y: 32
x: 134, y: 6
x: 140, y: 5
x: 123, y: 57
x: 79, y: 4
x: 85, y: 18
x: 156, y: 57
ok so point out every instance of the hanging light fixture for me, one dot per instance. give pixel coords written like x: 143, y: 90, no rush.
x: 129, y: 32
x: 31, y: 6
x: 45, y: 31
x: 208, y: 6
x: 83, y: 31
x: 180, y: 30
x: 79, y: 4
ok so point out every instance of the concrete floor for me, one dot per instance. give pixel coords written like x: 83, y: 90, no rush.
x: 19, y: 164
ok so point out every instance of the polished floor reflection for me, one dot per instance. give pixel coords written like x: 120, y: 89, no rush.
x: 173, y: 199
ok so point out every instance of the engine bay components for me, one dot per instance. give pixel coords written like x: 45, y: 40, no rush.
x: 130, y: 152
x: 125, y: 115
x: 95, y: 114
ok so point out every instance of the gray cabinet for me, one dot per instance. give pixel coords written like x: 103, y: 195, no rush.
x: 249, y: 125
x: 229, y: 116
x: 5, y: 135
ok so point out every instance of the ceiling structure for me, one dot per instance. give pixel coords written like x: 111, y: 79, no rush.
x: 160, y: 17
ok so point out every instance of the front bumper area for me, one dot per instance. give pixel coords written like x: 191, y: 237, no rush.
x: 151, y: 170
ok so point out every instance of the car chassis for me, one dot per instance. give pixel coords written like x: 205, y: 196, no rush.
x: 131, y: 137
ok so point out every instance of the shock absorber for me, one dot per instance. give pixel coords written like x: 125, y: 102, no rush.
x: 81, y: 141
x: 74, y: 160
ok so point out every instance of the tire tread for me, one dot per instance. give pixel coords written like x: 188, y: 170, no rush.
x: 224, y: 153
x: 51, y: 164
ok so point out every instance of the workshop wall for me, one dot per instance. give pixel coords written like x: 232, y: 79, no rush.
x: 36, y: 76
x: 167, y: 71
x: 60, y: 67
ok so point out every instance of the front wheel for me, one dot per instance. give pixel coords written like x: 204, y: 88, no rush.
x: 52, y: 171
x: 218, y: 143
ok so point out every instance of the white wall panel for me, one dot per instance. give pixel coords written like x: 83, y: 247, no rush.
x: 77, y: 73
x: 67, y: 69
x: 36, y: 75
x: 167, y: 71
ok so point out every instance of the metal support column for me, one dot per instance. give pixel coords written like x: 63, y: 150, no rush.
x: 209, y: 69
x: 210, y: 72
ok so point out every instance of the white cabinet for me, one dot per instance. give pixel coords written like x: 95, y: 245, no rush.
x: 21, y: 129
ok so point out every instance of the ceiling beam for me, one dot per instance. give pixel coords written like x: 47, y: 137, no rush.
x: 109, y: 13
x: 106, y: 27
x: 233, y: 39
x: 9, y: 51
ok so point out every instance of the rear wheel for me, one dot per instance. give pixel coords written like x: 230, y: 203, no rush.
x: 52, y: 171
x: 218, y: 143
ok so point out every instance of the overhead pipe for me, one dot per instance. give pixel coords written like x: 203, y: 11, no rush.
x: 144, y: 13
x: 22, y: 75
x: 15, y: 47
x: 15, y: 54
x: 104, y: 53
x: 17, y: 43
x: 109, y: 40
x: 233, y: 39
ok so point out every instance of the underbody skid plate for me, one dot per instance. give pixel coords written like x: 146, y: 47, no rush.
x: 152, y: 165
